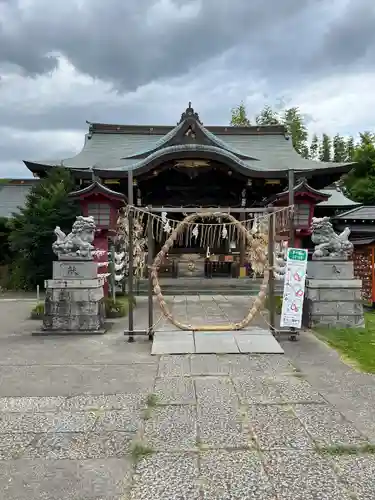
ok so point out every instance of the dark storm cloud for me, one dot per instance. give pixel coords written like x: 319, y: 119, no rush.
x: 131, y: 43
x: 351, y: 36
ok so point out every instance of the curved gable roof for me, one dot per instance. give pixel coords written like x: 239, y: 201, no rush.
x: 190, y: 120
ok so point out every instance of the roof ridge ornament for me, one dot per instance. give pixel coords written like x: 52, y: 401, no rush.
x: 189, y: 113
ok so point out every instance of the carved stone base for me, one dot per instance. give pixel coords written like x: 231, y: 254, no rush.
x: 333, y: 297
x: 74, y: 303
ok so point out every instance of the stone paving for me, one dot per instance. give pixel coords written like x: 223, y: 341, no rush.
x: 99, y: 418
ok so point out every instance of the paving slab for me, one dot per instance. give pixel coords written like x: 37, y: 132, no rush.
x: 234, y: 475
x: 47, y: 422
x: 71, y: 410
x: 39, y: 479
x: 176, y: 390
x: 79, y: 445
x: 276, y: 427
x: 13, y: 445
x: 209, y: 364
x: 258, y: 343
x: 215, y: 390
x: 214, y: 342
x: 222, y: 426
x: 165, y: 476
x: 174, y: 366
x: 77, y: 379
x: 358, y: 473
x: 327, y: 426
x: 173, y: 343
x: 171, y: 428
x: 303, y: 475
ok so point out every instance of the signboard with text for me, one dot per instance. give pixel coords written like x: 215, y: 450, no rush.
x: 294, y: 288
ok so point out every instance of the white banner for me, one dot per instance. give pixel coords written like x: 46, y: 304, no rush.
x: 294, y: 288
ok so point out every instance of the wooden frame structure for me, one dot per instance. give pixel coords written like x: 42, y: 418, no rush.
x: 130, y: 332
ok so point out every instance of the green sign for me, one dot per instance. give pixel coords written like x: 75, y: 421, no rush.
x: 297, y: 254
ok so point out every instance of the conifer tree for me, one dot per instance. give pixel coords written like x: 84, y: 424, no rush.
x: 32, y: 229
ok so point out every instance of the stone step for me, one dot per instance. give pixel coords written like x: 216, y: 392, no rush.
x: 205, y: 286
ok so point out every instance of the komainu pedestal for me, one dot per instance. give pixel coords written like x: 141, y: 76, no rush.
x: 74, y: 300
x: 333, y: 295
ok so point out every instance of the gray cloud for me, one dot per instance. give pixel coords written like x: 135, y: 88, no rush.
x: 350, y: 37
x: 132, y: 43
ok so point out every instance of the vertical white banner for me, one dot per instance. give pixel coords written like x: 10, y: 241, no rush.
x: 294, y: 288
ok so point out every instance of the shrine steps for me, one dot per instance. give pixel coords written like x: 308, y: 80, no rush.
x: 205, y: 286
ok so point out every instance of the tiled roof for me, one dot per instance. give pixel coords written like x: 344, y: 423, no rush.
x: 121, y: 147
x: 107, y: 152
x: 336, y: 199
x: 12, y: 197
x: 360, y: 213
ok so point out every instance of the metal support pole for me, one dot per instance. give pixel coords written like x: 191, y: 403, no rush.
x: 113, y: 273
x: 291, y: 182
x: 271, y: 281
x: 131, y: 257
x: 242, y: 242
x: 150, y: 258
x: 291, y: 203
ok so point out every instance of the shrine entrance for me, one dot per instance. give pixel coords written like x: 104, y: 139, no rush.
x: 257, y: 234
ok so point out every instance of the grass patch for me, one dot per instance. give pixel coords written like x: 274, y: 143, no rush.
x: 37, y: 312
x: 356, y: 345
x: 139, y: 451
x: 151, y: 400
x: 278, y: 304
x: 118, y: 308
x: 342, y: 449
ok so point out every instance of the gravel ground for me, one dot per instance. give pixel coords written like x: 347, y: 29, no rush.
x: 98, y: 418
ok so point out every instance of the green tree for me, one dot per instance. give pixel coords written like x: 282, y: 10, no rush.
x: 314, y: 147
x: 268, y: 117
x: 339, y: 149
x: 366, y: 138
x: 349, y: 149
x: 360, y: 182
x: 297, y: 130
x: 4, y: 241
x: 239, y: 116
x: 325, y: 150
x: 32, y: 230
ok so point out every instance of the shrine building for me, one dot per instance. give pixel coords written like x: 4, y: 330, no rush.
x: 192, y: 165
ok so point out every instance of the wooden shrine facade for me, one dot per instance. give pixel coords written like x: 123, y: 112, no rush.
x: 191, y: 165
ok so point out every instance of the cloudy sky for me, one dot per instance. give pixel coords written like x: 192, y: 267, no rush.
x: 63, y: 62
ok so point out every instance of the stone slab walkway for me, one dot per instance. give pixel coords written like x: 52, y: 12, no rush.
x: 98, y: 418
x: 252, y: 340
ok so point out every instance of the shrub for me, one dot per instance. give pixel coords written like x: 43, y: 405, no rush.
x: 116, y: 309
x: 124, y: 295
x: 278, y: 304
x: 37, y: 312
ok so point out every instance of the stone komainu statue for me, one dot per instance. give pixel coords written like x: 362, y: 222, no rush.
x: 327, y: 242
x: 78, y: 243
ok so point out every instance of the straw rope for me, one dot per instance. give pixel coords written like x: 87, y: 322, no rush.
x: 254, y: 308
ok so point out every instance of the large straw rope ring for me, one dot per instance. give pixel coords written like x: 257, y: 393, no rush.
x: 254, y: 308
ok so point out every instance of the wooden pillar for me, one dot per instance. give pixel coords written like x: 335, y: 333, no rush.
x: 291, y: 203
x: 271, y: 281
x: 150, y: 259
x: 131, y: 257
x: 373, y: 276
x: 242, y: 242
